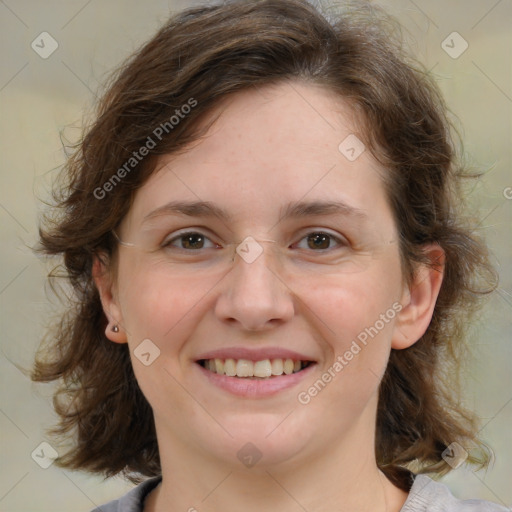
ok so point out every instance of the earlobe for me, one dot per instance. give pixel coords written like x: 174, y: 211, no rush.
x: 115, y: 333
x: 103, y: 281
x: 419, y: 299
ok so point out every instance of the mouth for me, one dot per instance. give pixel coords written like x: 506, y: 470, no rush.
x: 254, y: 370
x: 254, y: 379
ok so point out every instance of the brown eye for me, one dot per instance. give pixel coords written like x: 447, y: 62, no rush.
x: 190, y: 241
x: 319, y: 241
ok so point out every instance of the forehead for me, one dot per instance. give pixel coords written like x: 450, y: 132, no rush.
x: 270, y: 145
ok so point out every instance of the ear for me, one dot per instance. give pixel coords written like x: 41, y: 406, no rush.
x: 106, y: 288
x: 419, y: 299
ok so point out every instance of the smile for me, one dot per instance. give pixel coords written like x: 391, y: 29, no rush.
x: 254, y: 379
x: 245, y: 368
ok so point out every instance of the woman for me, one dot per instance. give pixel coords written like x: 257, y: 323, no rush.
x: 271, y: 272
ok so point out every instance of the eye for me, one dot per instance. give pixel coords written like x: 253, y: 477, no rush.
x: 320, y: 241
x: 190, y: 240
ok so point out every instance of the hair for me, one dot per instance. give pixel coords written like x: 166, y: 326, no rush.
x: 200, y: 56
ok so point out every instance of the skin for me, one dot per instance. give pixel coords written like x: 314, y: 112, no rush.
x: 270, y: 147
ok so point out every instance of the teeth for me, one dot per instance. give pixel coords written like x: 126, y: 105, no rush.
x: 246, y: 368
x: 230, y: 367
x: 288, y: 366
x: 263, y: 368
x: 219, y: 366
x: 277, y: 366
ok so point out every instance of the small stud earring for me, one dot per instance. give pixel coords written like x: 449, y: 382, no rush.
x: 115, y: 328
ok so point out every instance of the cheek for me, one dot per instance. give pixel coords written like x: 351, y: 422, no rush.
x: 349, y: 303
x: 160, y: 310
x: 357, y: 341
x: 164, y: 309
x: 156, y: 300
x: 356, y: 315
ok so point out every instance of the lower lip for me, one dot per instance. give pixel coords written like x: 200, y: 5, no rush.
x: 255, y: 388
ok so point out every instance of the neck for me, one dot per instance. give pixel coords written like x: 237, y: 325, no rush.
x: 345, y: 479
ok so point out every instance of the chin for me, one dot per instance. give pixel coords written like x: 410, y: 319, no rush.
x: 259, y: 441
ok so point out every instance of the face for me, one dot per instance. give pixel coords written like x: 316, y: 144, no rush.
x: 264, y: 242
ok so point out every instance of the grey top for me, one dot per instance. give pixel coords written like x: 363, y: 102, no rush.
x: 425, y: 495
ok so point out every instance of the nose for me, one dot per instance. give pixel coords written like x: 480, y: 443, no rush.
x: 254, y: 296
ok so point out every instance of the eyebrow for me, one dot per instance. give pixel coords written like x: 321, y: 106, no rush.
x: 293, y: 210
x: 190, y: 209
x: 318, y: 208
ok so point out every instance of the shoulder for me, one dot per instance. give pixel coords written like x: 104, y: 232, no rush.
x: 427, y: 495
x: 133, y: 500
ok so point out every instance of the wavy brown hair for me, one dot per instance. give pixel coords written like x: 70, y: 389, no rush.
x: 204, y: 54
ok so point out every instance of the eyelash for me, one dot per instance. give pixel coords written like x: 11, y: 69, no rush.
x: 169, y: 243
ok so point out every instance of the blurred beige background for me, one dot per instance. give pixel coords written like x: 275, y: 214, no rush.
x: 40, y: 97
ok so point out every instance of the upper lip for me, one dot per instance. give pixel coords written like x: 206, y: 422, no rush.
x: 254, y: 354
